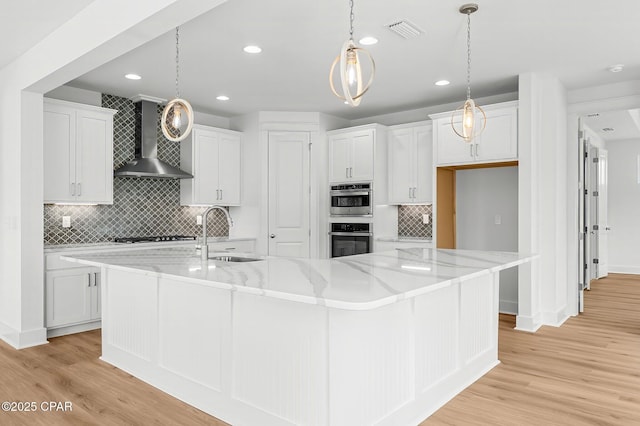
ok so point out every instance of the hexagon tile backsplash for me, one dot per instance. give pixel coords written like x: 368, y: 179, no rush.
x: 141, y: 207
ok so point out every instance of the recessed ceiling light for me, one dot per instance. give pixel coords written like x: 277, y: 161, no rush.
x: 442, y: 82
x: 252, y: 49
x: 616, y: 68
x: 222, y: 98
x: 132, y: 77
x: 368, y: 41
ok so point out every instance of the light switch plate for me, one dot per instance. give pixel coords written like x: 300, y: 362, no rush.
x: 66, y: 221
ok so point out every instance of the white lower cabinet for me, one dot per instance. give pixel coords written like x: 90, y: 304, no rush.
x: 73, y: 296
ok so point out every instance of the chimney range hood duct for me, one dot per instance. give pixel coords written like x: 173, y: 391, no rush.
x: 146, y: 163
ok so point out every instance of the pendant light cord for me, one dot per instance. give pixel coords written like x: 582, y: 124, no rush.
x: 177, y: 61
x: 468, y: 55
x: 351, y: 17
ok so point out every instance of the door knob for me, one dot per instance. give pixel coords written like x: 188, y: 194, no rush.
x: 272, y: 235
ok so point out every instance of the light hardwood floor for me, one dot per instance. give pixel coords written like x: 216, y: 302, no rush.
x: 586, y: 372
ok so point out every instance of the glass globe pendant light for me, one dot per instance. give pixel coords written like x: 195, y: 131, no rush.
x: 473, y: 119
x: 350, y: 69
x: 177, y: 117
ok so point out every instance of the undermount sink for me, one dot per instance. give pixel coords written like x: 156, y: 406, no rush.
x: 227, y: 258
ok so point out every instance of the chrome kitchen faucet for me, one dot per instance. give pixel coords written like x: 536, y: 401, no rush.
x: 204, y: 249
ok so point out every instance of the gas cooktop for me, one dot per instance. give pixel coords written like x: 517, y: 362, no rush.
x: 162, y: 238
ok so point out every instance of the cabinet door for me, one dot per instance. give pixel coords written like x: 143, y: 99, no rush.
x: 499, y: 140
x: 229, y: 169
x: 94, y: 157
x: 340, y: 158
x: 205, y: 168
x: 423, y: 164
x: 68, y: 293
x: 59, y: 153
x: 362, y: 156
x: 451, y: 148
x: 401, y: 165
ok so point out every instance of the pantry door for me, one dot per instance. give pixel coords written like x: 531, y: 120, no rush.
x: 289, y: 189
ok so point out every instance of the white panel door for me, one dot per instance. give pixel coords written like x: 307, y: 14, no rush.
x: 205, y: 170
x: 602, y: 216
x: 59, y: 153
x: 289, y: 194
x: 68, y: 293
x: 423, y: 165
x: 94, y: 157
x: 361, y: 168
x: 401, y: 164
x: 339, y: 157
x: 229, y: 164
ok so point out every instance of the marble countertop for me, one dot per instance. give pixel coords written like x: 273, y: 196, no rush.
x: 395, y: 239
x: 361, y: 282
x: 48, y: 248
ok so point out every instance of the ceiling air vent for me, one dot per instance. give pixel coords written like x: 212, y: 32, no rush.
x: 405, y: 29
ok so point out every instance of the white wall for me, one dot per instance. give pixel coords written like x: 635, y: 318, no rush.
x: 624, y: 206
x: 63, y: 55
x: 481, y: 195
x: 542, y: 151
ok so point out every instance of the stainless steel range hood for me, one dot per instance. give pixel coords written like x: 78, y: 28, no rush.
x: 146, y: 163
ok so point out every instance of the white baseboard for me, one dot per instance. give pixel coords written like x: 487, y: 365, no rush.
x: 508, y: 307
x: 555, y: 319
x: 624, y: 269
x: 23, y: 339
x: 529, y: 324
x: 71, y: 329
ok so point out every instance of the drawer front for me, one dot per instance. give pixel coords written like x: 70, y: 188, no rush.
x: 234, y: 246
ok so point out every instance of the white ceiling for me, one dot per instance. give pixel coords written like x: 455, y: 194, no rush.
x: 574, y: 40
x: 24, y: 23
x: 624, y: 124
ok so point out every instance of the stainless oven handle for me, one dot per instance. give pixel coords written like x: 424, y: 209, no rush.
x: 349, y: 193
x: 352, y: 234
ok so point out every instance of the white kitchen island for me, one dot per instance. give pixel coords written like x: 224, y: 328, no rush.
x: 374, y: 339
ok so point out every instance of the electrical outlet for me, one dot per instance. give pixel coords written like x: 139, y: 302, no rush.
x: 66, y: 221
x: 426, y: 219
x: 199, y: 219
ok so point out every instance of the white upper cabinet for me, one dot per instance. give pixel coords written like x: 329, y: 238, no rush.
x: 78, y: 153
x: 410, y: 164
x: 498, y: 142
x: 351, y: 155
x: 213, y: 157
